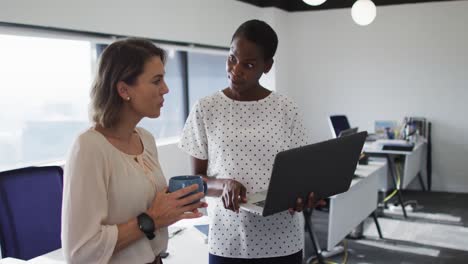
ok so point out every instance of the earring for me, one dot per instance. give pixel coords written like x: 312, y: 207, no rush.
x: 128, y: 98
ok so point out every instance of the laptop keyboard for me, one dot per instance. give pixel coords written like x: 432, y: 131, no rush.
x: 261, y: 203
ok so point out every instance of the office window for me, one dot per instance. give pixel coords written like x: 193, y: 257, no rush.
x: 46, y: 80
x: 206, y: 75
x: 171, y: 121
x: 45, y: 96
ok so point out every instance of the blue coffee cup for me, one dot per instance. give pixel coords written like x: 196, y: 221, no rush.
x: 180, y: 182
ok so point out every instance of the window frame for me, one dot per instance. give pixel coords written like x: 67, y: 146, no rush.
x: 97, y: 42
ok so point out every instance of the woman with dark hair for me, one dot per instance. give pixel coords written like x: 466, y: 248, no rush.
x: 233, y: 137
x: 116, y: 208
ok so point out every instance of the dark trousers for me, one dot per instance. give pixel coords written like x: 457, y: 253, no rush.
x: 295, y: 258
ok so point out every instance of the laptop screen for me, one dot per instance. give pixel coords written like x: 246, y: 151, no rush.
x: 339, y: 123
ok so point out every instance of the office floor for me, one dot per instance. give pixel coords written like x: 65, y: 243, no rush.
x: 435, y: 232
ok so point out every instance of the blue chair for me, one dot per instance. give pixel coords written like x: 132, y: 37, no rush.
x: 30, y: 211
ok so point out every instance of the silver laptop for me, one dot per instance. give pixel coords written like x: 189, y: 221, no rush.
x: 325, y: 168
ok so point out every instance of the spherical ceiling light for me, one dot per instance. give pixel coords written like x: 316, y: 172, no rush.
x: 314, y: 2
x: 363, y: 12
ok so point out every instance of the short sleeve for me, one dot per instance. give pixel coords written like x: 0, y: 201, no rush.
x: 85, y: 239
x: 194, y: 139
x: 299, y: 136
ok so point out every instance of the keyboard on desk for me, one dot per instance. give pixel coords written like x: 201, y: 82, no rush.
x: 261, y: 203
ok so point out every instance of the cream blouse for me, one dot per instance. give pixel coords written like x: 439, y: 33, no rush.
x: 104, y: 187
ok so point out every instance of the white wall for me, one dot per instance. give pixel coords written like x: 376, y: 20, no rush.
x: 174, y: 161
x: 197, y: 21
x: 279, y: 20
x: 210, y: 22
x: 412, y: 61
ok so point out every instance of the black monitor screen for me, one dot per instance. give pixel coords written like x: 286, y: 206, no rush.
x: 340, y: 123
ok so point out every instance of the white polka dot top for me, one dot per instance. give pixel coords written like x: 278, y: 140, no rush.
x: 240, y: 140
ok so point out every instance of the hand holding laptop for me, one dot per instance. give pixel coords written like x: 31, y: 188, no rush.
x: 311, y: 203
x: 312, y: 168
x: 233, y: 194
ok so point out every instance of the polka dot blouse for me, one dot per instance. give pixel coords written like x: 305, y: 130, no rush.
x: 240, y: 140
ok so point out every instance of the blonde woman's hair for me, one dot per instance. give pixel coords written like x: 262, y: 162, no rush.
x: 123, y: 60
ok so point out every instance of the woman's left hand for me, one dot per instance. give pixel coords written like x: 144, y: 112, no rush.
x: 311, y: 203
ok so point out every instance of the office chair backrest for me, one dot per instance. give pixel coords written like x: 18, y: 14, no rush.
x: 337, y: 124
x: 30, y: 211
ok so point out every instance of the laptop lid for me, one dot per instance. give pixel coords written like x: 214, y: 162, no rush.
x: 325, y: 168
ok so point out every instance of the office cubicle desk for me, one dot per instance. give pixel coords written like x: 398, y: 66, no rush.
x: 412, y: 167
x: 347, y: 210
x: 413, y: 164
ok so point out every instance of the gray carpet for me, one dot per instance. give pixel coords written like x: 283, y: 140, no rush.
x: 435, y: 232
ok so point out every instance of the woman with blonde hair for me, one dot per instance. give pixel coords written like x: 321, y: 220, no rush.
x: 116, y: 208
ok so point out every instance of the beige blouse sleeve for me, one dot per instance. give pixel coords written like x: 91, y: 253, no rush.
x: 84, y: 238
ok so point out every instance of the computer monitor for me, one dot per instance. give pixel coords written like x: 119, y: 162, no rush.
x: 337, y: 124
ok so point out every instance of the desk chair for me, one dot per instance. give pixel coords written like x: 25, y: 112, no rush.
x: 30, y: 211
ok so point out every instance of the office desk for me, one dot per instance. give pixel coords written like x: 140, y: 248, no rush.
x: 54, y: 257
x: 12, y: 261
x: 347, y: 210
x: 413, y: 163
x: 186, y: 247
x: 412, y: 166
x: 189, y: 245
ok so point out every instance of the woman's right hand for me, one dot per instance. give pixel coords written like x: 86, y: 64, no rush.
x: 233, y: 194
x: 168, y: 208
